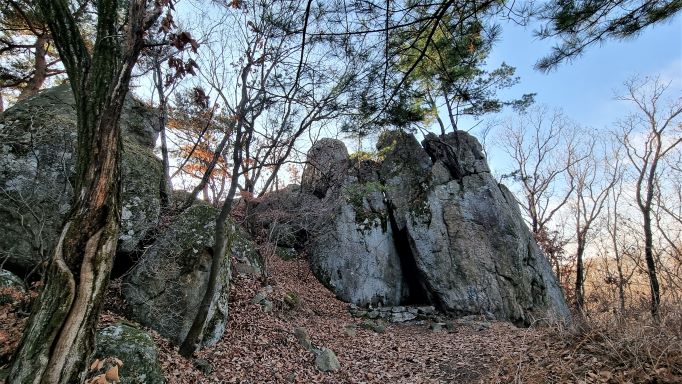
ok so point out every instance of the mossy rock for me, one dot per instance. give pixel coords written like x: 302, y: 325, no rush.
x: 245, y: 253
x: 37, y: 155
x: 135, y: 348
x: 164, y: 290
x: 10, y: 280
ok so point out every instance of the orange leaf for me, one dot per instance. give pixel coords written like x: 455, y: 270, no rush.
x: 112, y: 373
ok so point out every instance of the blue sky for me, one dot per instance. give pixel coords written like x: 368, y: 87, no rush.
x: 585, y: 88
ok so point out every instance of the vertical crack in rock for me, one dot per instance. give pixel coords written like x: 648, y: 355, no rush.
x: 418, y: 293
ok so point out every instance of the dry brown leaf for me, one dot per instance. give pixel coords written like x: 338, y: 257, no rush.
x: 112, y: 373
x: 117, y: 361
x: 94, y: 365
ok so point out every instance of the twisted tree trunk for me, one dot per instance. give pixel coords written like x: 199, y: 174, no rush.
x: 60, y: 335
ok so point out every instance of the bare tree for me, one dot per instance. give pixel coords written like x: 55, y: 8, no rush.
x: 273, y: 84
x: 542, y: 146
x: 649, y: 136
x: 593, y: 178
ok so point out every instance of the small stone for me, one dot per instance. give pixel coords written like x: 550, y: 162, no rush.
x: 367, y: 324
x: 350, y: 330
x: 402, y: 317
x: 260, y: 296
x: 326, y: 361
x: 302, y: 336
x: 483, y: 325
x: 437, y: 327
x: 428, y: 310
x: 413, y: 310
x: 267, y: 306
x: 398, y: 309
x: 379, y: 328
x: 360, y: 314
x: 352, y: 307
x: 373, y: 314
x: 268, y: 289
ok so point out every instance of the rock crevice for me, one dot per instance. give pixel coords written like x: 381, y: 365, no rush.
x: 427, y: 224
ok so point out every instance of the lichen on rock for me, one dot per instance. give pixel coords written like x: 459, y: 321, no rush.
x: 37, y: 144
x: 135, y: 348
x: 427, y: 224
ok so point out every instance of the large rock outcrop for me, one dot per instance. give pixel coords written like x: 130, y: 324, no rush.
x: 164, y: 290
x: 37, y: 141
x: 427, y: 224
x: 166, y: 262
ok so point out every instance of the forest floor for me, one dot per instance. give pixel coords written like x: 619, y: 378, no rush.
x: 261, y: 347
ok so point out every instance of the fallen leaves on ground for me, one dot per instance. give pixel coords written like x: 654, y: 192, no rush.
x: 260, y: 346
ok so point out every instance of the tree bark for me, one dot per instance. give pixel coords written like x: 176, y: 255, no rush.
x: 195, y: 335
x: 39, y: 69
x: 580, y: 277
x: 60, y: 335
x: 166, y: 186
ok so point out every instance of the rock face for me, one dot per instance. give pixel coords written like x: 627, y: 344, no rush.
x: 427, y: 225
x: 164, y: 290
x: 168, y: 282
x: 37, y: 140
x: 135, y: 348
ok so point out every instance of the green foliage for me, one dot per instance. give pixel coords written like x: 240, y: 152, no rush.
x: 292, y: 299
x: 579, y: 24
x: 355, y: 194
x: 451, y: 74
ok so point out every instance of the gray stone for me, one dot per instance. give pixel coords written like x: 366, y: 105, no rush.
x: 427, y: 310
x: 135, y: 348
x: 164, y: 290
x: 259, y: 297
x: 326, y: 162
x: 437, y: 327
x: 427, y: 223
x: 356, y: 258
x: 246, y: 257
x: 302, y: 336
x: 267, y: 306
x: 376, y: 326
x: 37, y: 143
x: 326, y: 361
x: 10, y: 280
x: 204, y: 366
x: 401, y: 317
x: 350, y: 330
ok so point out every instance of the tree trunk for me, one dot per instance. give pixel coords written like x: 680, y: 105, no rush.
x: 221, y: 243
x: 579, y: 277
x: 165, y: 188
x: 651, y: 265
x: 60, y: 335
x: 195, y: 335
x: 621, y: 286
x: 39, y: 70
